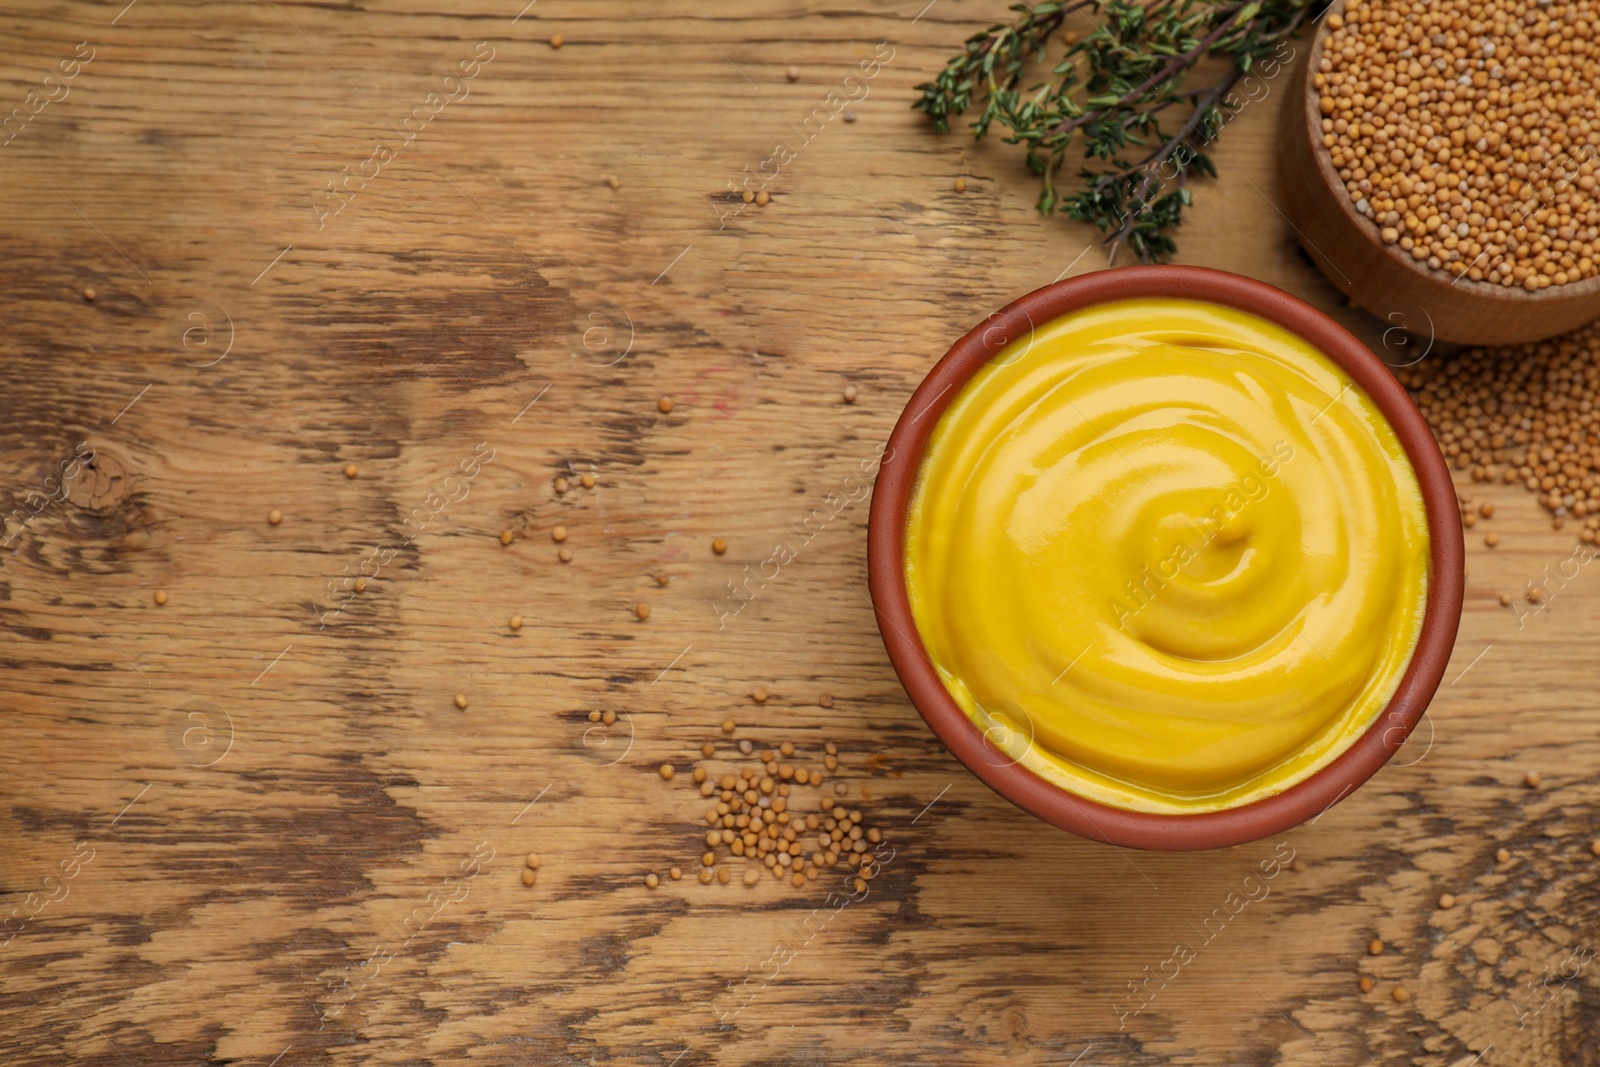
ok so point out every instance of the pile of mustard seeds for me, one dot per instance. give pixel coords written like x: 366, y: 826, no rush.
x: 1468, y: 131
x: 768, y: 812
x: 1521, y: 414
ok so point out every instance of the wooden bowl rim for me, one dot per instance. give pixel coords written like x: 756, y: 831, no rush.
x: 886, y: 530
x: 1582, y: 289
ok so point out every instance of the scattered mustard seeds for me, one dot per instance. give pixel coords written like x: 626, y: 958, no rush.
x: 759, y: 694
x: 763, y: 198
x: 1447, y: 901
x: 961, y: 185
x: 161, y: 597
x: 1505, y: 600
x: 708, y: 750
x: 1375, y: 947
x: 1532, y: 779
x: 719, y: 546
x: 664, y: 405
x: 1594, y: 848
x: 557, y: 41
x: 565, y: 555
x: 559, y: 534
x: 516, y: 624
x: 1462, y: 131
x: 748, y: 197
x: 663, y: 579
x: 1502, y: 856
x: 727, y: 726
x: 793, y: 74
x: 360, y: 585
x: 1400, y: 995
x: 826, y: 700
x: 588, y: 481
x: 461, y: 701
x: 642, y: 610
x: 613, y: 181
x: 594, y: 716
x: 1516, y: 415
x: 667, y: 770
x: 351, y: 470
x: 651, y: 881
x: 89, y: 294
x: 850, y: 394
x: 274, y: 516
x: 505, y: 537
x: 561, y: 485
x: 528, y: 877
x: 1366, y: 984
x: 1491, y: 539
x: 531, y: 861
x: 675, y: 874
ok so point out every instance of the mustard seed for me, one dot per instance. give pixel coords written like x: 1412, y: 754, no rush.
x: 961, y: 185
x: 1505, y: 600
x: 1375, y: 947
x: 559, y: 534
x: 667, y: 770
x: 1491, y: 539
x: 1486, y: 509
x: 564, y: 555
x: 708, y: 750
x: 360, y: 585
x: 1366, y: 984
x: 461, y: 700
x: 351, y: 470
x: 1594, y: 848
x: 651, y: 881
x: 528, y: 877
x: 161, y: 596
x: 662, y: 579
x: 664, y: 405
x: 763, y: 198
x: 825, y: 700
x: 759, y: 694
x: 505, y: 537
x: 727, y: 726
x: 89, y: 294
x: 848, y: 115
x: 719, y: 546
x: 705, y: 876
x: 675, y: 874
x: 793, y: 74
x: 588, y: 481
x: 516, y: 624
x: 1400, y: 995
x: 274, y: 516
x: 608, y: 717
x: 594, y: 716
x: 1502, y: 856
x: 850, y: 394
x: 746, y: 747
x: 752, y: 876
x: 1446, y: 901
x: 1531, y: 779
x: 708, y: 860
x: 748, y: 197
x: 642, y: 610
x: 557, y: 41
x: 613, y: 181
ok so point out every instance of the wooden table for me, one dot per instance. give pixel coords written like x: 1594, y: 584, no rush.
x: 252, y: 826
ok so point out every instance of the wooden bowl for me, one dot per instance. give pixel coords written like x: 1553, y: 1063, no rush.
x: 886, y: 537
x: 1348, y: 248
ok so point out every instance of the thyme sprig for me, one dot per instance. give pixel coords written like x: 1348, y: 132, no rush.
x: 1113, y: 91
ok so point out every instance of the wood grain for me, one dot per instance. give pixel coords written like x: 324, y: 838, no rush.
x: 277, y: 824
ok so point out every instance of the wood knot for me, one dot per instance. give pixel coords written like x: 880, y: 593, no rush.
x: 102, y: 484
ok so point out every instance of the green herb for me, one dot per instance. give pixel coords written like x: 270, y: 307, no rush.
x: 1121, y: 92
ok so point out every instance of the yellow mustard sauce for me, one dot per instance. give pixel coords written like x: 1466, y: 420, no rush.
x: 1167, y: 555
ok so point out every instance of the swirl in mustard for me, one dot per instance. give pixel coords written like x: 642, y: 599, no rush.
x: 1167, y: 555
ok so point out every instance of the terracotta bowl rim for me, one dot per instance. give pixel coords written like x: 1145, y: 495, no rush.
x: 1306, y: 800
